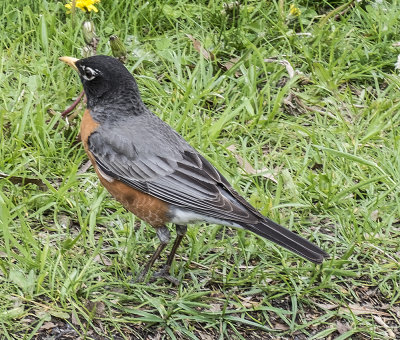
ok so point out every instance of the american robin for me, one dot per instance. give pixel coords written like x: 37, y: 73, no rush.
x: 149, y: 168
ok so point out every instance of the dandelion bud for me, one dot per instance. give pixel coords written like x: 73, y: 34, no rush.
x: 89, y: 32
x: 118, y: 49
x: 87, y: 51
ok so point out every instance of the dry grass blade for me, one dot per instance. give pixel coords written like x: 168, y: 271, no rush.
x: 229, y: 64
x: 85, y: 167
x: 285, y: 63
x: 357, y: 309
x: 248, y: 168
x: 380, y: 321
x: 199, y: 48
x: 326, y: 306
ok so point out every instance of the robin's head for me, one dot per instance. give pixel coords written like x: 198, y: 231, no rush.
x: 105, y: 79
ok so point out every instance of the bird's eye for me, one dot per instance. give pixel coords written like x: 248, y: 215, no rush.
x: 88, y: 73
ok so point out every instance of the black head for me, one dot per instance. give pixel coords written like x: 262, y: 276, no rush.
x: 106, y: 80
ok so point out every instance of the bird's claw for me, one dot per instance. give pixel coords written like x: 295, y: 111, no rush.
x: 165, y: 273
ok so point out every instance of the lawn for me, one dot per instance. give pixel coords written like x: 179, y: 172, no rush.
x: 296, y: 103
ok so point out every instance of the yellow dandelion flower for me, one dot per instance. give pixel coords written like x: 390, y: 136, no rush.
x: 84, y: 5
x: 294, y: 11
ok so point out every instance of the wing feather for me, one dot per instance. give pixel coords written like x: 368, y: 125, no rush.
x: 173, y: 171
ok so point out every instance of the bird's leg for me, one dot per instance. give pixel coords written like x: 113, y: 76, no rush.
x: 164, y: 272
x: 180, y: 233
x: 164, y: 236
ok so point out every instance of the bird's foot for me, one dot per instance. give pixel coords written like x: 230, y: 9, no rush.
x: 165, y: 274
x: 141, y: 276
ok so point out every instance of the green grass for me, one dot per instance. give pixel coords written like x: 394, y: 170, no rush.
x: 329, y: 136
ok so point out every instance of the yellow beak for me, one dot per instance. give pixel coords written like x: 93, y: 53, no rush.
x: 70, y: 61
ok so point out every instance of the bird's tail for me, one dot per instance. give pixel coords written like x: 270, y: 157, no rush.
x: 287, y: 239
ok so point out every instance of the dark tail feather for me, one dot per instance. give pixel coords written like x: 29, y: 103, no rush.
x: 289, y: 240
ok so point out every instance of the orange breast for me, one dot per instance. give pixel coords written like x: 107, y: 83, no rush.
x: 146, y: 207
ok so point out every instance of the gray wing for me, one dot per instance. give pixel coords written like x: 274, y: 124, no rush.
x: 151, y: 157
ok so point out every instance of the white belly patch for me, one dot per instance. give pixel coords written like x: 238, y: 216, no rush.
x: 184, y: 217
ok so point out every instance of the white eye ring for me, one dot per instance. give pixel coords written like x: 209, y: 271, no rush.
x: 88, y: 73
